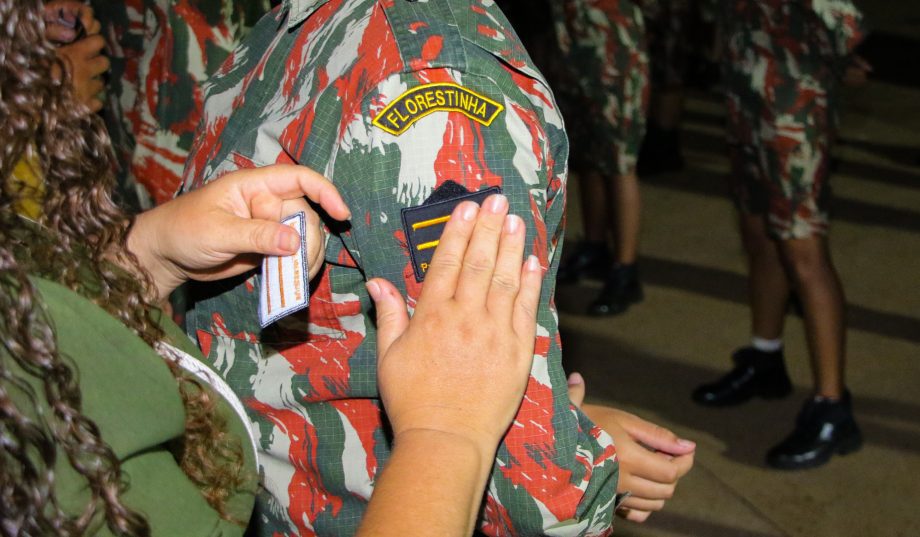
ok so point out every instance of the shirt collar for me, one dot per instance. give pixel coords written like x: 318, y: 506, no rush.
x: 299, y: 10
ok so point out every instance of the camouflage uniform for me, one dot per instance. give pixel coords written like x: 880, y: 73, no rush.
x: 603, y: 43
x: 315, y: 83
x: 783, y: 61
x: 670, y: 47
x: 161, y: 52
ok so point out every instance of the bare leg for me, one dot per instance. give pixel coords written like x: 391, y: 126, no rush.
x: 626, y: 217
x: 768, y: 285
x: 818, y: 285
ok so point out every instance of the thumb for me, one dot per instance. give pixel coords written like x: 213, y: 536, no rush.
x: 392, y: 317
x: 656, y: 437
x: 246, y: 236
x: 576, y: 389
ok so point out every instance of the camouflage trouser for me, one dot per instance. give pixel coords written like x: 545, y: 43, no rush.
x: 605, y: 98
x: 779, y: 143
x: 670, y: 43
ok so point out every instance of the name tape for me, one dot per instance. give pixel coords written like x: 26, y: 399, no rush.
x: 285, y: 280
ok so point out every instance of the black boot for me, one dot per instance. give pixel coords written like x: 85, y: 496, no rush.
x: 755, y: 373
x: 823, y: 428
x: 589, y: 259
x: 621, y: 290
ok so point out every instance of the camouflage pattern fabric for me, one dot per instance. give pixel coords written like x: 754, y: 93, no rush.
x: 606, y: 92
x: 782, y: 65
x: 306, y: 87
x: 670, y: 44
x: 161, y: 52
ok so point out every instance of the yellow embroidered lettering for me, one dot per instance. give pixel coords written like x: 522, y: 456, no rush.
x: 420, y: 101
x: 392, y: 120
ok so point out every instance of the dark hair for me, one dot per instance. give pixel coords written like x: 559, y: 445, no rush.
x: 83, y: 229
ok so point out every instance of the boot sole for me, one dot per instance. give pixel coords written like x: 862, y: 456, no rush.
x: 623, y: 307
x: 846, y: 447
x: 768, y: 395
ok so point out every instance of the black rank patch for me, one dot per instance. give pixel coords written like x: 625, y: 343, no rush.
x: 425, y: 223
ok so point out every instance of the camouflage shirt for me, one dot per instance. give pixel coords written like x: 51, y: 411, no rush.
x: 161, y: 53
x: 390, y: 99
x: 604, y: 45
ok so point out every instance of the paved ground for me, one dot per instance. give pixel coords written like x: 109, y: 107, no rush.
x: 694, y: 314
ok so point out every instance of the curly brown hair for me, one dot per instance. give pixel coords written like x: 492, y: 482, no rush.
x: 83, y: 232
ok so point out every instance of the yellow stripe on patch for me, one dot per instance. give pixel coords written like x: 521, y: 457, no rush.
x: 420, y: 101
x: 427, y: 245
x: 428, y: 223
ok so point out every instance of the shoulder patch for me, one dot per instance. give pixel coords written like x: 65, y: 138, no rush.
x: 424, y: 224
x: 420, y: 101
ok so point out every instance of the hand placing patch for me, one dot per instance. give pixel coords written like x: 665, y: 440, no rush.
x: 420, y: 101
x: 424, y: 224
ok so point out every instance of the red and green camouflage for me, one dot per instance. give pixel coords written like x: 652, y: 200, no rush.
x: 161, y: 53
x: 782, y: 65
x: 670, y: 46
x: 306, y: 87
x: 604, y: 47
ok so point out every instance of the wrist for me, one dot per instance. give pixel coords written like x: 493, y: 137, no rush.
x: 143, y: 242
x: 460, y: 449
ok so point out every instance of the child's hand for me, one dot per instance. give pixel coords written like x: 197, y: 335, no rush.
x: 86, y: 64
x: 69, y: 20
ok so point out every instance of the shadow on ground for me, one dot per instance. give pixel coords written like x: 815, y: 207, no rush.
x: 663, y: 386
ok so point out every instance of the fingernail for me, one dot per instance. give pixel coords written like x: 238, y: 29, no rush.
x: 497, y: 203
x: 373, y: 289
x: 576, y: 379
x: 469, y: 211
x: 288, y: 240
x: 533, y: 264
x: 686, y: 443
x: 512, y: 224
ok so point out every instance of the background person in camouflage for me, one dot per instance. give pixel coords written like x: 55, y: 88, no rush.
x: 306, y: 87
x: 162, y: 51
x: 603, y: 46
x: 783, y: 63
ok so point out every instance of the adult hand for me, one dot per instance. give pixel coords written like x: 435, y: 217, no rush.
x: 223, y: 229
x: 460, y: 366
x: 65, y: 20
x: 652, y: 459
x: 86, y: 64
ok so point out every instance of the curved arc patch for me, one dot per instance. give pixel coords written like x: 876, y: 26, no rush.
x: 420, y: 101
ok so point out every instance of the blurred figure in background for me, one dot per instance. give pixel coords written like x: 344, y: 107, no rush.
x: 162, y: 51
x: 668, y: 24
x: 783, y: 62
x: 605, y: 104
x: 71, y: 27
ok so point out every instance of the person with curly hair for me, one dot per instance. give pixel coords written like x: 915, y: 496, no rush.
x: 87, y: 406
x: 110, y: 424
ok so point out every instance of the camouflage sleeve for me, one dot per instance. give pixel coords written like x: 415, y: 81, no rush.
x: 844, y: 21
x: 161, y: 53
x: 555, y: 472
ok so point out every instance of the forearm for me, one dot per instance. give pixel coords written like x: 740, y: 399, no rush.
x: 433, y: 484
